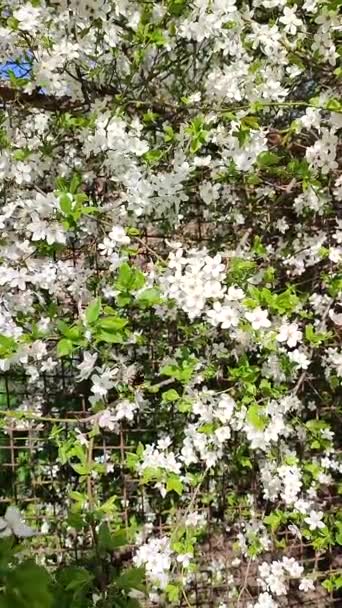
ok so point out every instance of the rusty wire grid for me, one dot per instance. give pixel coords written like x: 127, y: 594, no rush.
x: 30, y: 476
x: 26, y: 478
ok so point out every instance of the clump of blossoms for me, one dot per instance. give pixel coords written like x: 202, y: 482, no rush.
x: 193, y: 279
x: 170, y: 298
x: 155, y: 556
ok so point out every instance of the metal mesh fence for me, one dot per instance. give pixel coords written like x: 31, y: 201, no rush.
x: 30, y: 477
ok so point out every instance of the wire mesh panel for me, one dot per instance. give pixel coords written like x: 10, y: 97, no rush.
x: 44, y: 415
x: 34, y: 477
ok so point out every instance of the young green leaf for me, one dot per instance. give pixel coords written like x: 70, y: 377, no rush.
x: 93, y: 310
x: 64, y: 347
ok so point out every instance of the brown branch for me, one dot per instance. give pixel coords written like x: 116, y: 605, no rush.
x: 52, y: 103
x: 303, y: 375
x: 39, y: 100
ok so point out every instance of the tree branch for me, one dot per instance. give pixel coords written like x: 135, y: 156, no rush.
x: 39, y: 100
x: 67, y: 104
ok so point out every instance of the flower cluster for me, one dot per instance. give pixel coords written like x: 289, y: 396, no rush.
x: 155, y: 556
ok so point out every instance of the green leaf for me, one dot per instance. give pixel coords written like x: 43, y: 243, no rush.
x: 82, y: 469
x: 74, y: 577
x: 7, y: 342
x: 299, y: 168
x: 334, y: 105
x: 93, y: 310
x: 171, y: 370
x: 73, y: 332
x: 268, y: 159
x: 328, y: 585
x: 131, y: 603
x: 315, y: 338
x: 129, y: 278
x: 285, y: 302
x: 132, y: 460
x: 169, y: 134
x: 77, y: 521
x: 274, y: 520
x: 251, y: 121
x: 75, y: 183
x: 173, y: 592
x: 153, y: 156
x: 174, y: 484
x: 133, y: 578
x: 181, y: 371
x: 65, y: 204
x: 64, y: 347
x: 78, y: 496
x: 152, y: 474
x: 105, y: 539
x: 109, y: 541
x: 123, y: 299
x: 170, y: 395
x: 27, y: 585
x: 119, y: 538
x: 184, y: 405
x: 112, y: 323
x: 256, y: 417
x: 109, y: 505
x: 334, y: 582
x: 149, y: 297
x: 207, y: 429
x: 258, y: 247
x: 7, y: 346
x: 111, y: 338
x: 133, y: 231
x: 12, y: 23
x: 338, y: 536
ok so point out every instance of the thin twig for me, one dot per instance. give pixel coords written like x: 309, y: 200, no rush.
x: 245, y: 582
x: 303, y: 375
